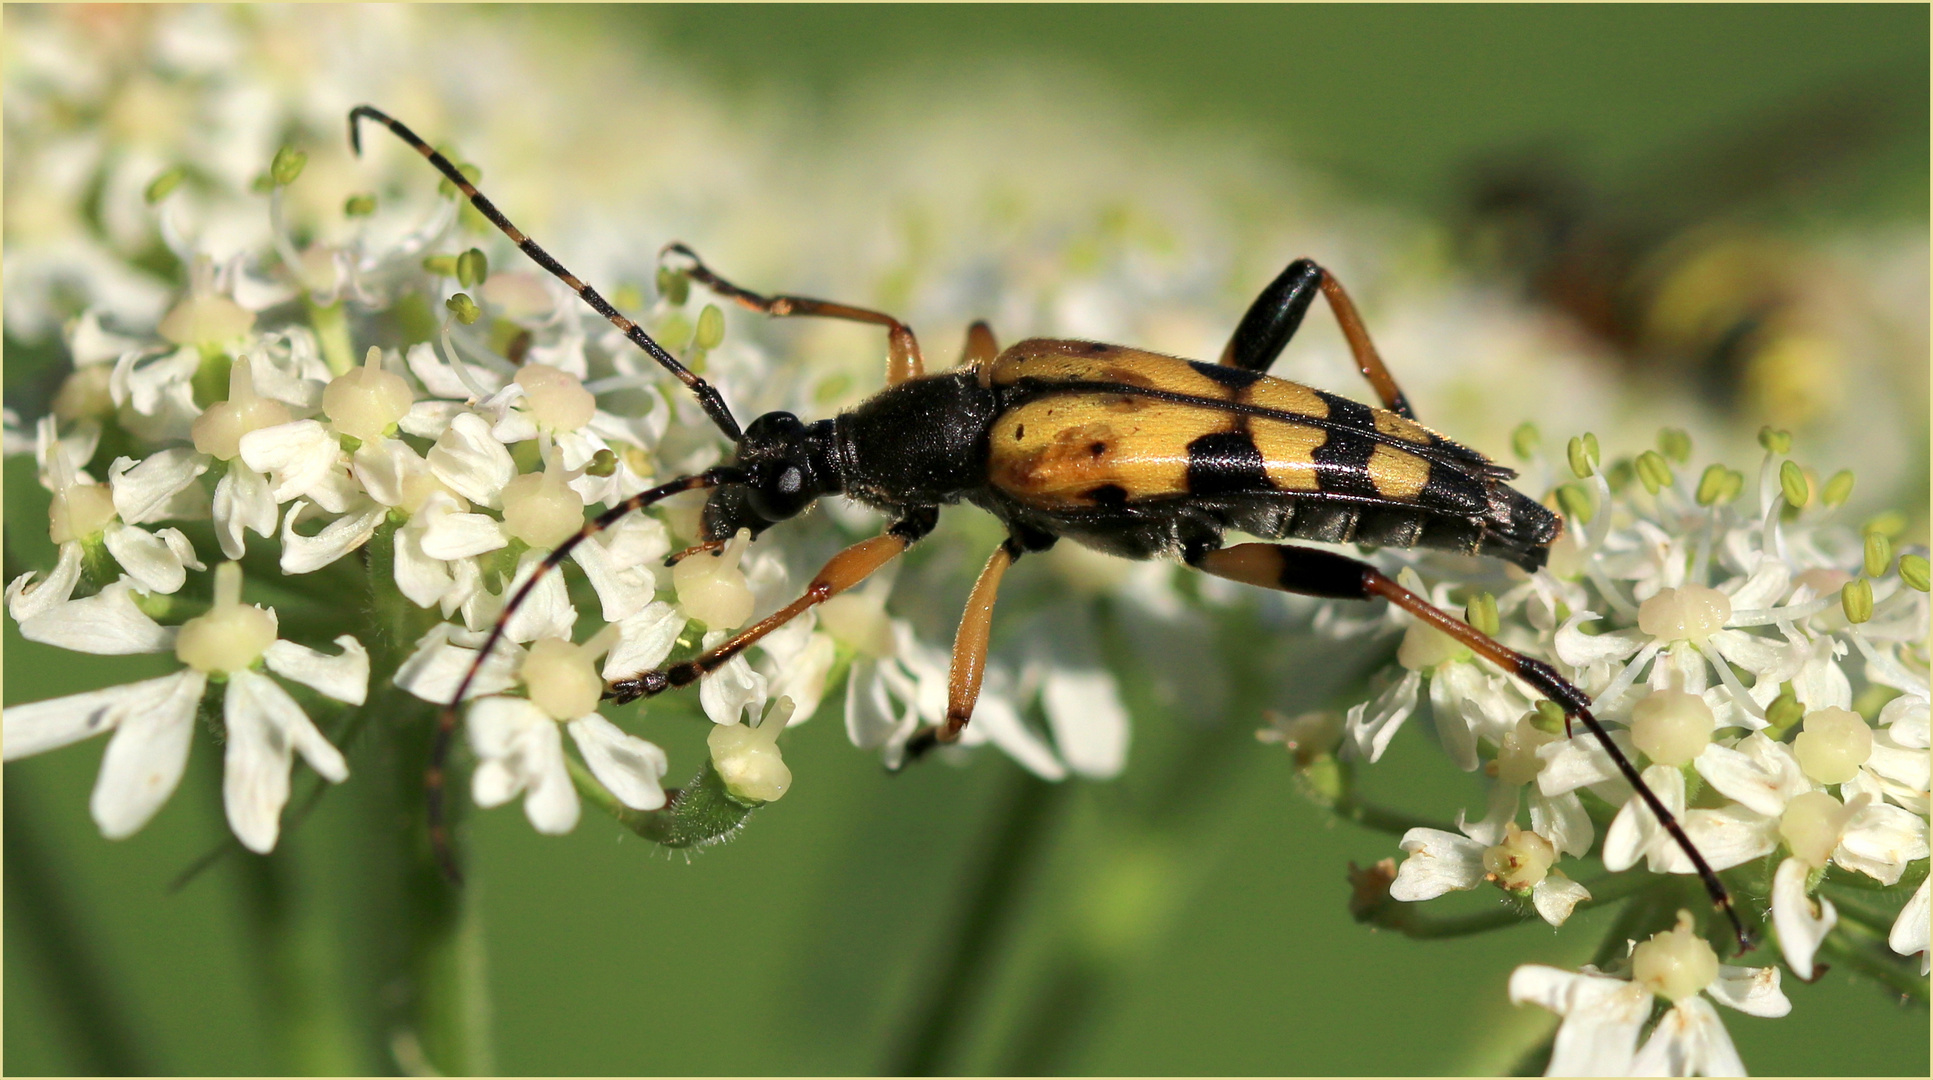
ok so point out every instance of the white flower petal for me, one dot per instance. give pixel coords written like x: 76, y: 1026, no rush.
x: 142, y: 491
x: 1579, y: 649
x: 429, y: 419
x: 307, y: 554
x: 1906, y: 719
x: 1370, y: 725
x: 40, y: 726
x: 471, y: 462
x: 1089, y: 723
x: 146, y: 757
x: 732, y: 689
x: 1880, y: 840
x: 627, y: 766
x: 1909, y: 933
x: 1690, y: 1040
x: 645, y: 638
x: 1563, y: 821
x: 434, y: 668
x: 522, y: 750
x: 995, y: 720
x: 802, y: 676
x: 1601, y: 1018
x: 1799, y: 926
x: 1556, y: 896
x: 299, y: 458
x: 106, y: 624
x: 423, y: 579
x: 344, y: 677
x: 1438, y: 862
x: 448, y: 534
x: 1751, y: 990
x: 25, y: 599
x: 1450, y: 686
x: 1726, y: 837
x: 621, y: 590
x: 870, y: 720
x: 147, y: 558
x: 1758, y: 772
x: 546, y: 612
x: 1635, y: 833
x: 242, y: 503
x: 265, y: 727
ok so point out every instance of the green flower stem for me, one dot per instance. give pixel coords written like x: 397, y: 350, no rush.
x: 1871, y: 958
x: 1349, y: 807
x: 958, y: 979
x: 331, y: 324
x: 314, y: 1035
x: 73, y: 985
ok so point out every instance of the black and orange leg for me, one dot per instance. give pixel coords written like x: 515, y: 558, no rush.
x: 841, y: 572
x: 969, y: 665
x: 1277, y: 313
x: 706, y: 393
x: 1312, y: 572
x: 903, y: 349
x: 981, y: 346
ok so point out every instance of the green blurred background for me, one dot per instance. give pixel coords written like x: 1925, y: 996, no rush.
x: 1215, y: 941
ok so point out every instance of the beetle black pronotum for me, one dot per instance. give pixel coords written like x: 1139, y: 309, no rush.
x: 1126, y: 451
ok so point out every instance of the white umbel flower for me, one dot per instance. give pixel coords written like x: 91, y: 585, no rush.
x: 153, y: 720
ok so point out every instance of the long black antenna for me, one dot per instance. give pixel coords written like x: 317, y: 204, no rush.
x: 707, y: 394
x: 446, y: 718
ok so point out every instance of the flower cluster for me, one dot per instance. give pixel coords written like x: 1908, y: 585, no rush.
x: 1761, y: 661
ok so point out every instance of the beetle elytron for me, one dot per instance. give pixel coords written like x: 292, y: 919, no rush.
x: 1125, y: 451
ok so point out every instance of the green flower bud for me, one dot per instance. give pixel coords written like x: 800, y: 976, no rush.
x: 1838, y: 489
x: 711, y: 327
x: 1857, y: 599
x: 472, y: 268
x: 287, y: 166
x: 1913, y: 571
x: 1676, y: 444
x: 1583, y: 455
x: 359, y: 205
x: 1577, y: 502
x: 673, y: 286
x: 1792, y: 481
x: 440, y: 265
x: 163, y: 185
x: 1783, y: 714
x: 1481, y: 614
x: 1879, y: 553
x: 1654, y: 471
x: 1525, y: 440
x: 602, y: 463
x: 1774, y: 440
x: 465, y: 309
x: 1548, y: 717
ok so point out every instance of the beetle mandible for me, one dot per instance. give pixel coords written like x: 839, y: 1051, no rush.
x: 1125, y: 451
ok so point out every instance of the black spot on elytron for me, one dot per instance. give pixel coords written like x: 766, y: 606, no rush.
x: 1097, y: 448
x: 1342, y: 462
x: 1019, y: 432
x: 1097, y: 348
x: 1224, y: 462
x: 1111, y: 495
x: 1232, y: 377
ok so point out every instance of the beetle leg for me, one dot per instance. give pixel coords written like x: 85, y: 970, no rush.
x: 969, y: 654
x: 841, y: 572
x: 903, y: 349
x: 1322, y: 573
x: 980, y: 344
x: 1277, y: 313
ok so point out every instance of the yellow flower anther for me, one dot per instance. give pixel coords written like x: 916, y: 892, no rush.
x: 1676, y: 444
x: 1890, y: 522
x: 464, y: 308
x: 440, y: 265
x: 1654, y: 471
x: 1481, y: 614
x: 472, y: 268
x: 1793, y: 483
x: 1783, y: 713
x: 287, y: 166
x: 711, y: 327
x: 164, y: 184
x: 1879, y: 554
x: 1775, y: 440
x: 1583, y: 455
x: 1577, y: 502
x: 1548, y: 718
x: 602, y: 464
x: 1857, y: 600
x: 1838, y: 489
x: 1913, y: 571
x: 673, y: 286
x: 1525, y: 440
x: 361, y: 205
x: 1522, y: 861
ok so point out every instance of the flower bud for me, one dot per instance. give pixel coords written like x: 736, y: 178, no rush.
x: 1672, y: 727
x: 232, y: 635
x: 673, y: 286
x: 556, y: 399
x: 541, y: 508
x: 1689, y: 613
x: 1522, y: 861
x: 748, y: 759
x: 562, y: 678
x: 1832, y: 745
x: 366, y: 402
x: 219, y: 429
x: 1676, y: 964
x: 711, y: 588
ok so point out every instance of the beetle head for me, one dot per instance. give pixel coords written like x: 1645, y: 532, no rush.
x: 787, y: 465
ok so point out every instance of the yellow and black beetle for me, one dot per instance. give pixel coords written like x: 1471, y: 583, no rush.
x: 1126, y: 451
